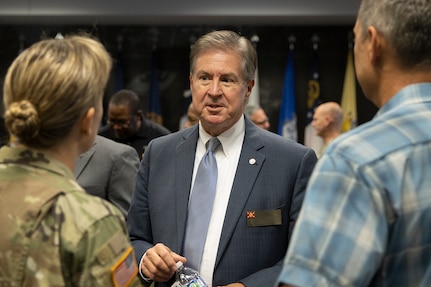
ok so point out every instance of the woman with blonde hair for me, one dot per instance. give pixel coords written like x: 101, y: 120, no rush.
x: 53, y: 233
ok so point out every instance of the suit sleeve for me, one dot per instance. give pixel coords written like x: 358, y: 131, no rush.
x: 92, y: 243
x: 304, y: 172
x: 123, y: 178
x: 107, y: 256
x: 138, y: 218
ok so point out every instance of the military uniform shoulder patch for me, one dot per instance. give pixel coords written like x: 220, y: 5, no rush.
x: 124, y: 271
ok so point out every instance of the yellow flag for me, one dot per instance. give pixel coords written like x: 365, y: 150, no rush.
x: 348, y: 98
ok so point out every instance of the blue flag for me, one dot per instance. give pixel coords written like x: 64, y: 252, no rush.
x: 154, y: 106
x: 287, y: 122
x: 311, y: 139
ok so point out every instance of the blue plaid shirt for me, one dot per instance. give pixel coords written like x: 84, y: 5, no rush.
x: 366, y: 216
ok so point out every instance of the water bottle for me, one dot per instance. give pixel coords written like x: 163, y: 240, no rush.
x: 187, y: 277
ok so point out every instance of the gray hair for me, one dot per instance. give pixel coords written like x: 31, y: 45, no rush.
x: 227, y: 41
x: 406, y: 26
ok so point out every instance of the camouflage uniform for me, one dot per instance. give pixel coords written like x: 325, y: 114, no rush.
x: 53, y: 233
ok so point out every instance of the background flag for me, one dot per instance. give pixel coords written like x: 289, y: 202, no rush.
x: 311, y: 139
x: 348, y: 99
x: 154, y: 107
x: 254, y: 99
x: 287, y: 121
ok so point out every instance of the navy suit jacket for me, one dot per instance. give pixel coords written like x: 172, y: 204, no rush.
x: 276, y: 181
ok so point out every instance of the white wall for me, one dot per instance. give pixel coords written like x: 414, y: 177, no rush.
x: 178, y: 12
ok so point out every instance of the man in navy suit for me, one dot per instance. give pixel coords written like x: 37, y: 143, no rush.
x: 260, y: 185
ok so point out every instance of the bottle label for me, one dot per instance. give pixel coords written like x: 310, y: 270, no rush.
x: 196, y: 282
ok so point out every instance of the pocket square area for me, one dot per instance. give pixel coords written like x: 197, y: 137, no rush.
x: 263, y: 217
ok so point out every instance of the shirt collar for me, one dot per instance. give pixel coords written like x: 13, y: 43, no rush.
x: 228, y: 139
x: 410, y: 94
x: 31, y: 157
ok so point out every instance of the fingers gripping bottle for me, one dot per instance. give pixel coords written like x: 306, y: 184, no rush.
x: 187, y: 277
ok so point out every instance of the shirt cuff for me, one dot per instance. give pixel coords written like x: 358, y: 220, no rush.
x: 146, y: 279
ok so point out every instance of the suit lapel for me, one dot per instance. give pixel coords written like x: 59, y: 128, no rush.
x: 83, y: 159
x: 249, y: 165
x: 185, y: 155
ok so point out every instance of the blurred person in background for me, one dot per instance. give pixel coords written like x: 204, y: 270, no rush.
x: 192, y: 117
x: 108, y: 170
x: 258, y: 116
x: 327, y: 121
x: 126, y: 123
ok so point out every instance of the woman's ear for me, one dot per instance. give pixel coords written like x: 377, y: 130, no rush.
x: 87, y: 121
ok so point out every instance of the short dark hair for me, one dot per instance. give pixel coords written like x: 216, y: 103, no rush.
x: 126, y: 98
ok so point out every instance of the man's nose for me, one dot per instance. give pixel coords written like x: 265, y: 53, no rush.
x: 116, y: 126
x: 215, y: 88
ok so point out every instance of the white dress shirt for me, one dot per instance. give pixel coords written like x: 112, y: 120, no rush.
x: 227, y: 157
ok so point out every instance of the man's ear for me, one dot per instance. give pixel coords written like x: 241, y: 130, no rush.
x: 87, y: 121
x: 250, y: 86
x: 375, y: 45
x: 191, y: 80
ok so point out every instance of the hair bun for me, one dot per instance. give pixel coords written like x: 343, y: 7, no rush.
x: 22, y: 120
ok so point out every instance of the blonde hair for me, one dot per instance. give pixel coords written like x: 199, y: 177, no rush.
x: 51, y: 85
